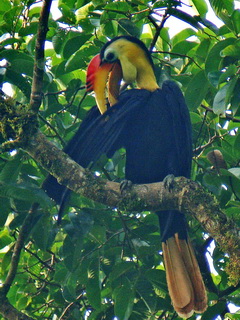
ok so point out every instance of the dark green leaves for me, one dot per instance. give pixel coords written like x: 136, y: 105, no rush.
x: 214, y: 59
x: 196, y: 90
x: 124, y: 299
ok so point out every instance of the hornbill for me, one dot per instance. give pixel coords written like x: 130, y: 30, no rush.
x: 153, y: 125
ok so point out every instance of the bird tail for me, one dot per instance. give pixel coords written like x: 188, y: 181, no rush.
x: 185, y: 284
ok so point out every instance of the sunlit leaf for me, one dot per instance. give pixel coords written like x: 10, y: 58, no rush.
x: 221, y: 5
x: 201, y: 7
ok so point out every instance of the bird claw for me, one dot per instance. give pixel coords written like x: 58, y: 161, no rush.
x: 168, y: 182
x: 124, y: 185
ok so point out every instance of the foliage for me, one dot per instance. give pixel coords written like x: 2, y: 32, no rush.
x: 101, y: 262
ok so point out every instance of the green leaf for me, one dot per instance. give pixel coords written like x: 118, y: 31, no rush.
x: 195, y: 118
x: 158, y: 278
x: 41, y: 232
x: 214, y: 58
x: 58, y: 40
x: 236, y: 146
x: 222, y: 5
x: 235, y: 171
x: 25, y: 192
x: 69, y: 293
x: 5, y: 210
x: 120, y: 7
x: 124, y: 300
x: 22, y: 66
x: 120, y: 269
x: 11, y: 169
x: 67, y: 14
x: 232, y: 50
x: 183, y: 47
x: 230, y: 71
x: 76, y: 61
x: 74, y: 44
x: 236, y: 20
x: 196, y: 90
x: 201, y: 7
x: 5, y: 239
x: 69, y: 287
x: 72, y: 88
x: 93, y: 284
x: 231, y: 316
x: 71, y: 249
x: 28, y: 29
x: 5, y: 5
x: 219, y: 102
x: 61, y: 273
x: 214, y: 311
x: 214, y: 77
x: 10, y: 15
x: 128, y: 27
x: 19, y: 81
x: 183, y: 35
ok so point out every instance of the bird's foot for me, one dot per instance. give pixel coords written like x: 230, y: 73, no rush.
x: 125, y: 185
x: 168, y: 182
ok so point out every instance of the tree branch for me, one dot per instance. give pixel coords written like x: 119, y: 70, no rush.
x: 39, y: 64
x: 9, y: 312
x: 185, y: 196
x: 23, y: 234
x: 158, y: 28
x: 225, y: 116
x: 18, y: 130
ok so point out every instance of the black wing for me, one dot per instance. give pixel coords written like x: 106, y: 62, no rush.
x: 99, y: 134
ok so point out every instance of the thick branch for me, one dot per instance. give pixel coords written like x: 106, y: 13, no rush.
x: 39, y: 64
x: 9, y: 312
x: 186, y: 196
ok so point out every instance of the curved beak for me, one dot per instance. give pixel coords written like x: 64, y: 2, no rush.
x: 98, y: 73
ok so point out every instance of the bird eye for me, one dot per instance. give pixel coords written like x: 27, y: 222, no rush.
x: 110, y: 56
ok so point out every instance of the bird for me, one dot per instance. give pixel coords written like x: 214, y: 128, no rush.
x: 153, y: 125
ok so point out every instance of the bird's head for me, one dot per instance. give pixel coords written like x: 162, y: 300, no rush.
x: 124, y: 58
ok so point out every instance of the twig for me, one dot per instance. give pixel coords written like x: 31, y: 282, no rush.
x: 54, y: 93
x: 46, y: 265
x: 211, y: 140
x: 38, y: 71
x: 226, y: 116
x: 70, y: 306
x: 79, y: 105
x: 179, y: 55
x: 53, y: 129
x: 158, y: 29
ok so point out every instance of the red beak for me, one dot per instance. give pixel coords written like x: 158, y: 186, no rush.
x: 97, y: 75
